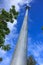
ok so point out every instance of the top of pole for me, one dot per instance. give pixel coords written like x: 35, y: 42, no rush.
x: 28, y: 6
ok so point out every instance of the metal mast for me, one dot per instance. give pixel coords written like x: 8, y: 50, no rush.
x: 20, y: 53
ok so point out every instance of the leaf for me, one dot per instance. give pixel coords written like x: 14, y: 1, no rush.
x: 6, y: 47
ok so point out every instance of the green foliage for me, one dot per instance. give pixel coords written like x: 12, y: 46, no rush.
x: 4, y: 18
x: 31, y: 61
x: 13, y: 12
x: 6, y: 47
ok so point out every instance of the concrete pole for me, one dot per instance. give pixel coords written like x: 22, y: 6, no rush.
x: 20, y: 53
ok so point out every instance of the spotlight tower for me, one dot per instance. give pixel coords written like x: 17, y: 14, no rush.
x: 20, y: 53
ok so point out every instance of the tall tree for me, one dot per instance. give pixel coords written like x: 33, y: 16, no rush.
x: 4, y: 30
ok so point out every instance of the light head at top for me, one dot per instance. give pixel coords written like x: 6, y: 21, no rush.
x: 25, y: 5
x: 28, y: 6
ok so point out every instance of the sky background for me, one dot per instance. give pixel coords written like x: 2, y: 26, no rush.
x: 35, y: 34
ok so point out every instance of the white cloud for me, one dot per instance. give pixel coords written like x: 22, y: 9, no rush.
x: 25, y: 1
x: 36, y: 49
x: 21, y: 2
x: 2, y: 53
x: 5, y: 61
x: 10, y: 25
x: 41, y: 63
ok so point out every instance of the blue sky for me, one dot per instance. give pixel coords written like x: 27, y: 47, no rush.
x: 35, y: 34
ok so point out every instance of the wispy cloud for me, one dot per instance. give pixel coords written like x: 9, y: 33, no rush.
x: 2, y: 53
x: 35, y: 48
x: 21, y: 2
x: 5, y: 61
x: 10, y: 25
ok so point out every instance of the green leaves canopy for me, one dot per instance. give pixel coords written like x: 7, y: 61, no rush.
x: 4, y: 18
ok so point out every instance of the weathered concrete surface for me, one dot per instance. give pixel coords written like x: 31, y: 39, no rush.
x: 20, y: 53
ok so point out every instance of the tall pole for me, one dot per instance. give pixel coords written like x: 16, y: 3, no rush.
x: 20, y: 53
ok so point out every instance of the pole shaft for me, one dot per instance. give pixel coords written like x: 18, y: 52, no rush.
x: 20, y: 53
